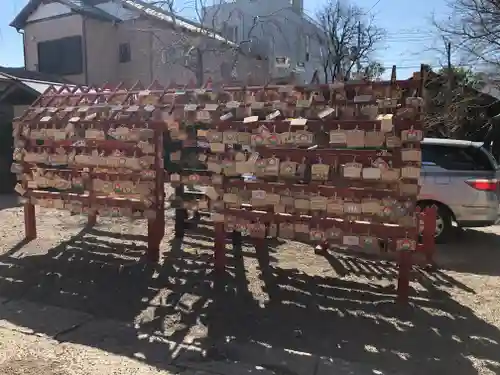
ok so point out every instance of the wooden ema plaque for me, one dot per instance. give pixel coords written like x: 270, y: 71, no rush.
x: 335, y: 164
x: 96, y: 152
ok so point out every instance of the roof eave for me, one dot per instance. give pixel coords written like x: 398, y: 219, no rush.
x: 207, y: 32
x: 19, y: 22
x: 17, y: 25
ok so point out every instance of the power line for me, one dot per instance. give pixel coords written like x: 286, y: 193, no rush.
x: 433, y: 66
x: 373, y: 6
x: 409, y: 40
x: 410, y: 35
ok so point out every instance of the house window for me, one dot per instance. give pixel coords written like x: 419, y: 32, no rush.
x: 230, y: 32
x: 61, y: 56
x: 96, y: 2
x: 308, y: 46
x: 236, y: 38
x: 124, y: 52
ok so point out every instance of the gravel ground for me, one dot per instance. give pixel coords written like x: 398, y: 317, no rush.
x: 23, y: 354
x: 332, y: 306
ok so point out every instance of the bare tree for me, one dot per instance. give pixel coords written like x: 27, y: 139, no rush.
x: 210, y: 36
x: 374, y: 70
x: 455, y: 106
x: 185, y: 43
x: 348, y: 38
x: 473, y: 27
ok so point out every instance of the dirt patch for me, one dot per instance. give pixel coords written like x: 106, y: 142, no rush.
x: 32, y: 367
x: 283, y: 297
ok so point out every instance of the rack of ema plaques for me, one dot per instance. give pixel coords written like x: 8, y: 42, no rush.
x: 333, y: 165
x: 94, y: 152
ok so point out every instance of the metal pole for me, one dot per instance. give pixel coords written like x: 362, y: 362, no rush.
x: 358, y: 48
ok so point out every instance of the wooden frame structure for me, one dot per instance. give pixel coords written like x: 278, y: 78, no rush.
x: 93, y: 151
x: 335, y: 164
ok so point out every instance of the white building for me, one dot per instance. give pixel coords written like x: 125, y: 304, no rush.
x: 273, y: 29
x: 113, y: 41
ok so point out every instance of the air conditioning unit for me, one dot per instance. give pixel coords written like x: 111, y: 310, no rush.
x: 300, y: 67
x: 282, y: 62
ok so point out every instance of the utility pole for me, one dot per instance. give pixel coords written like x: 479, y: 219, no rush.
x: 447, y: 110
x: 449, y: 74
x: 200, y: 69
x: 358, y: 49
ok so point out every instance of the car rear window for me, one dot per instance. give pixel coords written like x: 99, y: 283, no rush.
x: 457, y: 158
x: 492, y: 159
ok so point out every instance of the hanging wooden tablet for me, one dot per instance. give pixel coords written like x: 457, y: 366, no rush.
x: 409, y: 190
x: 350, y: 240
x: 303, y: 138
x: 371, y: 173
x: 355, y: 138
x: 335, y: 206
x: 371, y: 206
x: 338, y: 137
x: 406, y: 244
x: 374, y: 139
x: 317, y: 234
x: 320, y: 171
x: 368, y: 242
x: 352, y: 170
x: 258, y: 198
x: 410, y: 172
x: 392, y: 141
x: 411, y: 135
x: 318, y: 203
x: 272, y: 167
x: 273, y: 199
x: 288, y: 169
x: 257, y: 230
x: 333, y: 234
x: 411, y: 155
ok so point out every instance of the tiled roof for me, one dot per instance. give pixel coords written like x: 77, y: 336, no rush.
x: 22, y: 73
x: 35, y: 82
x: 181, y: 22
x: 79, y: 6
x: 83, y: 7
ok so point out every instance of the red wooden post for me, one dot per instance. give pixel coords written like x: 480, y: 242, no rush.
x: 156, y: 226
x: 219, y: 247
x: 29, y: 221
x: 92, y: 216
x: 405, y: 265
x: 92, y: 219
x: 260, y: 244
x: 153, y: 252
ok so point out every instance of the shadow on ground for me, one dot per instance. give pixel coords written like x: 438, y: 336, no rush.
x: 8, y: 201
x: 223, y: 317
x: 472, y: 251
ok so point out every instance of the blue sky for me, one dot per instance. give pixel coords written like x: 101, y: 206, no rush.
x: 409, y: 32
x: 11, y: 43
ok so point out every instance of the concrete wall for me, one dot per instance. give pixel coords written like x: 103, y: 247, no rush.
x: 157, y: 50
x: 159, y: 53
x: 282, y: 31
x: 50, y: 29
x: 102, y: 51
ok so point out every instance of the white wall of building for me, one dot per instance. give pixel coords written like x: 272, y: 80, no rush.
x: 49, y: 10
x: 282, y: 30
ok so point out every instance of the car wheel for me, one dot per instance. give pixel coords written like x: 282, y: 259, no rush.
x: 444, y: 224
